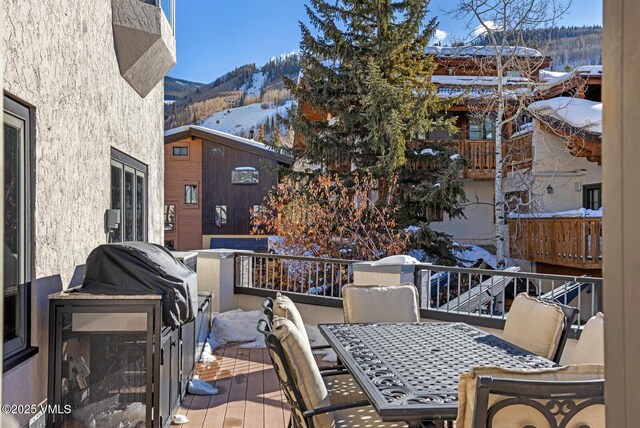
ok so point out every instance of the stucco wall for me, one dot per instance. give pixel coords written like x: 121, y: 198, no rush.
x: 59, y: 57
x: 553, y: 166
x: 477, y: 227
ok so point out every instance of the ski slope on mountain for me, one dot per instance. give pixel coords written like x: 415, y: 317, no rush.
x: 241, y: 120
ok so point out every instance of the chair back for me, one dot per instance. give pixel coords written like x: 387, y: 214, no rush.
x: 570, y: 314
x: 503, y: 403
x: 590, y: 347
x: 267, y: 308
x: 535, y: 325
x: 284, y: 373
x: 377, y: 303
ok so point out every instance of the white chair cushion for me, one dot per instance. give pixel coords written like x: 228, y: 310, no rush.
x: 285, y: 308
x: 590, y: 347
x: 534, y: 325
x: 377, y: 303
x: 305, y: 371
x: 521, y: 416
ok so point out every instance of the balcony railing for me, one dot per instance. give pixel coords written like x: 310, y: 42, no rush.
x: 481, y: 156
x: 572, y: 242
x: 476, y: 296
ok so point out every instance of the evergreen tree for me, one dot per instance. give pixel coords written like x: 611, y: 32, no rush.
x: 366, y: 67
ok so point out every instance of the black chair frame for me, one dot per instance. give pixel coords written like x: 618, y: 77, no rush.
x: 570, y: 314
x: 291, y: 390
x: 565, y: 399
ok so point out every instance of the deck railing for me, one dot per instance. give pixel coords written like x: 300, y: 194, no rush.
x: 572, y: 242
x: 476, y: 296
x: 481, y: 156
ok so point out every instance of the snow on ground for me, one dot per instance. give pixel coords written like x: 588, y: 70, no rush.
x: 256, y: 84
x: 582, y: 212
x: 243, y: 119
x: 471, y: 254
x: 577, y: 112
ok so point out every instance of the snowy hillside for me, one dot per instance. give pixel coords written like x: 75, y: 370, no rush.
x: 241, y: 120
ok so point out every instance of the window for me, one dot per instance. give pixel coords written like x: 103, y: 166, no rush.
x: 17, y: 229
x: 169, y: 217
x: 435, y: 215
x: 592, y: 196
x: 245, y: 175
x: 181, y: 151
x: 516, y: 203
x: 129, y: 196
x: 191, y: 194
x: 481, y: 128
x: 221, y: 215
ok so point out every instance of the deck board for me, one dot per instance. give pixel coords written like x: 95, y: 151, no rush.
x: 248, y: 396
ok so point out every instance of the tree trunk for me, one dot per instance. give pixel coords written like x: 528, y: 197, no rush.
x: 499, y: 193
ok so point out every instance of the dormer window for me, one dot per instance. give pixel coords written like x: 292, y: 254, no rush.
x: 245, y: 175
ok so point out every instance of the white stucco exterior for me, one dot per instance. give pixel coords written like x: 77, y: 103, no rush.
x: 555, y: 167
x: 478, y: 226
x: 59, y: 58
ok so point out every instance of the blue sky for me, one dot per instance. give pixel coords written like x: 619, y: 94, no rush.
x: 214, y: 36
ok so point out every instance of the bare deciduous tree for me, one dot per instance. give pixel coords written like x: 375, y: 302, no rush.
x: 504, y: 25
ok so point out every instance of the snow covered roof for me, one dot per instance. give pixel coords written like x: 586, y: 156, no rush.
x: 577, y: 112
x: 469, y: 51
x: 582, y: 212
x: 476, y: 80
x: 269, y: 150
x: 554, y: 78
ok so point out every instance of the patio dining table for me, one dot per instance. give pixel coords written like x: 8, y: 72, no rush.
x: 410, y: 371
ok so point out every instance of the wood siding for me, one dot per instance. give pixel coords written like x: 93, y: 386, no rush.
x: 218, y: 162
x: 180, y: 171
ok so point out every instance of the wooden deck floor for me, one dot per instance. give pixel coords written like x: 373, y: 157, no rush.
x: 249, y: 393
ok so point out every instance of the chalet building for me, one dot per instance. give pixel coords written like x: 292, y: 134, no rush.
x: 213, y: 181
x: 466, y: 73
x: 82, y: 113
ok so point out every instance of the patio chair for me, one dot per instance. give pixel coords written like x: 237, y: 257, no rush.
x: 378, y: 303
x: 311, y: 398
x: 493, y: 397
x: 284, y: 307
x: 590, y: 347
x: 539, y: 326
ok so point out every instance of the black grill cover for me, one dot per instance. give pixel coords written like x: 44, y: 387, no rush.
x: 136, y: 268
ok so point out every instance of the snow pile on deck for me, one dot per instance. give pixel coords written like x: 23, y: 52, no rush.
x: 577, y: 112
x: 582, y: 212
x: 237, y: 327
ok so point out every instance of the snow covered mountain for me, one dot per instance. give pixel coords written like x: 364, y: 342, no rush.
x: 246, y: 98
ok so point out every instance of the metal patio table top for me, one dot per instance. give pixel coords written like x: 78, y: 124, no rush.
x: 410, y: 371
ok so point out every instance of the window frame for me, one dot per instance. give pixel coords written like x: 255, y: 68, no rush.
x: 586, y: 191
x: 180, y: 148
x: 236, y: 172
x: 186, y: 202
x: 217, y: 214
x: 19, y: 349
x: 175, y: 211
x: 128, y: 164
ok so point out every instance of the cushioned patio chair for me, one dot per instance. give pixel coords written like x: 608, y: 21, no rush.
x: 539, y: 326
x: 493, y: 397
x: 284, y: 307
x: 590, y: 347
x: 313, y: 400
x: 378, y: 303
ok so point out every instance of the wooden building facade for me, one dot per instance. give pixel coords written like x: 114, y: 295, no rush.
x: 213, y: 181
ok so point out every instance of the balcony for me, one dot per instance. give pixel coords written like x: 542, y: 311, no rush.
x: 481, y: 156
x: 249, y: 393
x: 571, y: 242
